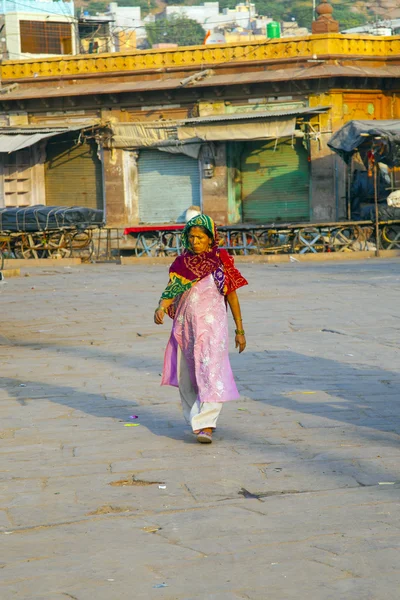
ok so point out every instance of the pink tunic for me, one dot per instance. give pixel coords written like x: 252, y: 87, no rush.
x: 200, y: 329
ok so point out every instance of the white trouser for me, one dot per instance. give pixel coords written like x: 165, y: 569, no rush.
x: 198, y: 415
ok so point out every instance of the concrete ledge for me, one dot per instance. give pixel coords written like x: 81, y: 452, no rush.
x: 11, y: 273
x: 15, y: 263
x: 147, y: 260
x: 273, y: 258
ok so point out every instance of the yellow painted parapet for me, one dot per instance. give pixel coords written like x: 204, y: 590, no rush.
x: 296, y: 48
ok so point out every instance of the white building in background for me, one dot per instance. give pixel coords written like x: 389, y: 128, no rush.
x: 208, y: 11
x: 384, y: 27
x: 208, y: 15
x: 37, y: 28
x: 127, y: 18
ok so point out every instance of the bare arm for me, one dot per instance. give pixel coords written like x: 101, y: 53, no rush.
x: 234, y: 305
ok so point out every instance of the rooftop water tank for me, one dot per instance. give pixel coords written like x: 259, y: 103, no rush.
x: 273, y: 30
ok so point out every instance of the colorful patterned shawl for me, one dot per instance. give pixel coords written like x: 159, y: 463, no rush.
x: 188, y: 268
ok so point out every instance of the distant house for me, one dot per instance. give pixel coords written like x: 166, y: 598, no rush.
x: 208, y: 15
x: 128, y: 26
x: 37, y: 29
x: 97, y: 34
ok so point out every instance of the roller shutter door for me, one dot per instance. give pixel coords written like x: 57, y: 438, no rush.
x: 73, y: 174
x: 275, y: 182
x: 168, y: 185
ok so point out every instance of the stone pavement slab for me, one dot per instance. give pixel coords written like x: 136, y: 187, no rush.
x: 297, y: 498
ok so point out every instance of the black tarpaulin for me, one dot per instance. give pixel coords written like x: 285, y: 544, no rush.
x: 355, y: 136
x: 46, y: 218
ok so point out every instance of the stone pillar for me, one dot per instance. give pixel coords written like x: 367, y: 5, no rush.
x: 215, y: 189
x: 114, y: 193
x: 328, y: 172
x: 325, y: 23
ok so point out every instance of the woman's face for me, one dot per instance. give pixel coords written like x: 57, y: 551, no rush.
x: 198, y: 240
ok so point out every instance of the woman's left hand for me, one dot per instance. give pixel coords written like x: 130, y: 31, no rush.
x: 159, y: 315
x: 240, y: 342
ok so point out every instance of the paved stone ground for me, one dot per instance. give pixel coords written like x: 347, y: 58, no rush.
x: 298, y: 498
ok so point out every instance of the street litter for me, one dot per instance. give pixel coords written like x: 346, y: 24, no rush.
x: 110, y: 579
x: 160, y: 585
x: 22, y: 385
x: 387, y: 482
x: 151, y: 529
x: 133, y: 417
x: 162, y: 487
x: 8, y: 532
x: 131, y: 424
x: 244, y: 409
x: 349, y: 354
x: 293, y: 259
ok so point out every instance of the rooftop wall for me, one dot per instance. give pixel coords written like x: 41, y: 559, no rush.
x: 375, y: 50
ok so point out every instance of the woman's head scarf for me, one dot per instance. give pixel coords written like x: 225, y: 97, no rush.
x: 199, y: 221
x: 188, y: 268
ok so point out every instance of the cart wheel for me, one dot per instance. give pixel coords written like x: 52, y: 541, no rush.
x: 81, y: 245
x: 58, y: 245
x: 1, y: 260
x: 223, y: 241
x: 308, y: 239
x: 346, y: 238
x: 243, y: 243
x: 31, y: 246
x: 390, y: 237
x: 273, y: 241
x: 170, y: 242
x: 148, y: 244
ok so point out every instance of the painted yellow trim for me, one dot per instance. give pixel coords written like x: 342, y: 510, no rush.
x: 292, y: 49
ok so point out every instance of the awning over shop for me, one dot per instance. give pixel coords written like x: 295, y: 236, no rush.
x: 158, y: 135
x: 13, y: 139
x: 256, y: 125
x: 383, y: 134
x: 240, y: 131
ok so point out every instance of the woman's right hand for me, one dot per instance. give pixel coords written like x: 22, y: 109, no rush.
x: 159, y: 316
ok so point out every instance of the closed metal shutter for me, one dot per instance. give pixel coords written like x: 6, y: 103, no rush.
x: 168, y: 185
x: 73, y: 174
x: 275, y: 182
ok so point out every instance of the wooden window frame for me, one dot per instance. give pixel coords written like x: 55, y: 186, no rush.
x: 45, y: 37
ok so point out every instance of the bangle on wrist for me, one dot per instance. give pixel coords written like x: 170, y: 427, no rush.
x: 239, y: 331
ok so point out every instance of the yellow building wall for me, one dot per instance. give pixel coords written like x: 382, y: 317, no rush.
x: 127, y: 40
x: 354, y: 48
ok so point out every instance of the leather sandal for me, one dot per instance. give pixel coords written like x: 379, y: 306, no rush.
x: 205, y: 436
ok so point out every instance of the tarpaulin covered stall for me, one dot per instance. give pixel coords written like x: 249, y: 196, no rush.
x: 382, y: 137
x: 46, y: 218
x: 378, y: 143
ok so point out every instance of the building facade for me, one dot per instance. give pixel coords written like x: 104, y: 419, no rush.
x: 37, y: 28
x: 239, y: 129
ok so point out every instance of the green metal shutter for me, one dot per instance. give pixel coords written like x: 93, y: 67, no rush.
x: 73, y: 174
x: 275, y: 181
x: 168, y: 185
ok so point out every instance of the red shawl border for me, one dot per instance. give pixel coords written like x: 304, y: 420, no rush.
x: 233, y: 278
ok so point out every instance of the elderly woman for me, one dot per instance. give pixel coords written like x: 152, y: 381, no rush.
x: 202, y: 281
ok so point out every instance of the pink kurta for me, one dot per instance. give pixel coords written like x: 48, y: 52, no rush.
x: 200, y: 329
